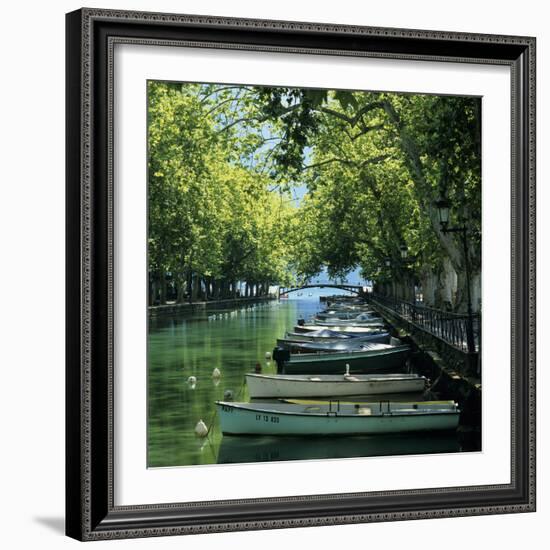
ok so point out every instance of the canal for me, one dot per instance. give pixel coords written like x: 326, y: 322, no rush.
x: 233, y: 340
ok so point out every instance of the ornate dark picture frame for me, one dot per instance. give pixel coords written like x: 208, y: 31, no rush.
x: 90, y: 510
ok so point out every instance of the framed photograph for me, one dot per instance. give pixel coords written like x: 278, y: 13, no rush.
x: 300, y: 274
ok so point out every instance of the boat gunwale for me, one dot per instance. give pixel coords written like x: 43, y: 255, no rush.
x: 338, y: 355
x: 367, y: 329
x: 346, y: 336
x: 302, y: 378
x: 338, y: 414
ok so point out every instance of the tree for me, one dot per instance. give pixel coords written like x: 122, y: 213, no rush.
x: 224, y: 161
x: 212, y: 220
x: 430, y: 144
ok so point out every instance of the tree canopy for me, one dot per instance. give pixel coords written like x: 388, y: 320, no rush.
x: 225, y: 162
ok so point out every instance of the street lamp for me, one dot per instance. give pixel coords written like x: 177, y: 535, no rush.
x: 443, y: 209
x: 404, y: 251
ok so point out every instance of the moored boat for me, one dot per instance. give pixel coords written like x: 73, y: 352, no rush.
x: 302, y: 343
x: 335, y: 418
x: 331, y: 385
x: 375, y: 358
x: 327, y: 334
x: 344, y: 315
x: 351, y: 330
x: 356, y: 322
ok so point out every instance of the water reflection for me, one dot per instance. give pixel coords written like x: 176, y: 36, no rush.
x: 234, y: 449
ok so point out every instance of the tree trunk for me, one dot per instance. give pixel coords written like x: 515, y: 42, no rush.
x: 206, y: 290
x: 180, y: 288
x: 154, y: 290
x: 215, y: 289
x: 448, y: 241
x: 447, y: 285
x: 476, y: 291
x: 195, y: 287
x: 429, y: 286
x: 461, y: 303
x: 163, y: 288
x: 188, y: 284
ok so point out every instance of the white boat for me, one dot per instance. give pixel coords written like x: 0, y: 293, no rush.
x: 324, y: 335
x: 302, y: 345
x: 367, y: 329
x: 356, y: 321
x: 351, y: 344
x: 334, y: 315
x: 336, y: 418
x: 331, y: 385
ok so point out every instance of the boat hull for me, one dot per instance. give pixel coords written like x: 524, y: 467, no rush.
x: 327, y: 335
x: 330, y: 344
x: 239, y: 420
x: 342, y: 315
x: 373, y: 321
x: 273, y: 386
x: 392, y: 360
x: 350, y: 330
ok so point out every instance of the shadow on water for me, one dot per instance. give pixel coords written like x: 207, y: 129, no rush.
x: 234, y: 449
x: 233, y: 341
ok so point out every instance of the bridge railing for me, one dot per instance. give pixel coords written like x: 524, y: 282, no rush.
x: 447, y: 326
x: 357, y: 289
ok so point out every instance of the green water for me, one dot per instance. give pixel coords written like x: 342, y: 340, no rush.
x: 234, y: 340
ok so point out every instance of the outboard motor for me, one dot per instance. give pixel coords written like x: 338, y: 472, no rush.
x: 301, y: 322
x: 280, y: 356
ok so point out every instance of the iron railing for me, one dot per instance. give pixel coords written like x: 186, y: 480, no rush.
x: 447, y: 326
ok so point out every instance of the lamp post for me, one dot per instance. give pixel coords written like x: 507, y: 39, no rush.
x: 443, y: 208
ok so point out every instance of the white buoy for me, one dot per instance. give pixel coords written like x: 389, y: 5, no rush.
x: 201, y: 429
x: 268, y: 355
x: 192, y: 380
x: 216, y: 373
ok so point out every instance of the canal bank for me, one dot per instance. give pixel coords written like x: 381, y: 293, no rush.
x: 454, y: 374
x: 189, y: 307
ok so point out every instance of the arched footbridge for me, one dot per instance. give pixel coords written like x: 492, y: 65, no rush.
x: 356, y: 289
